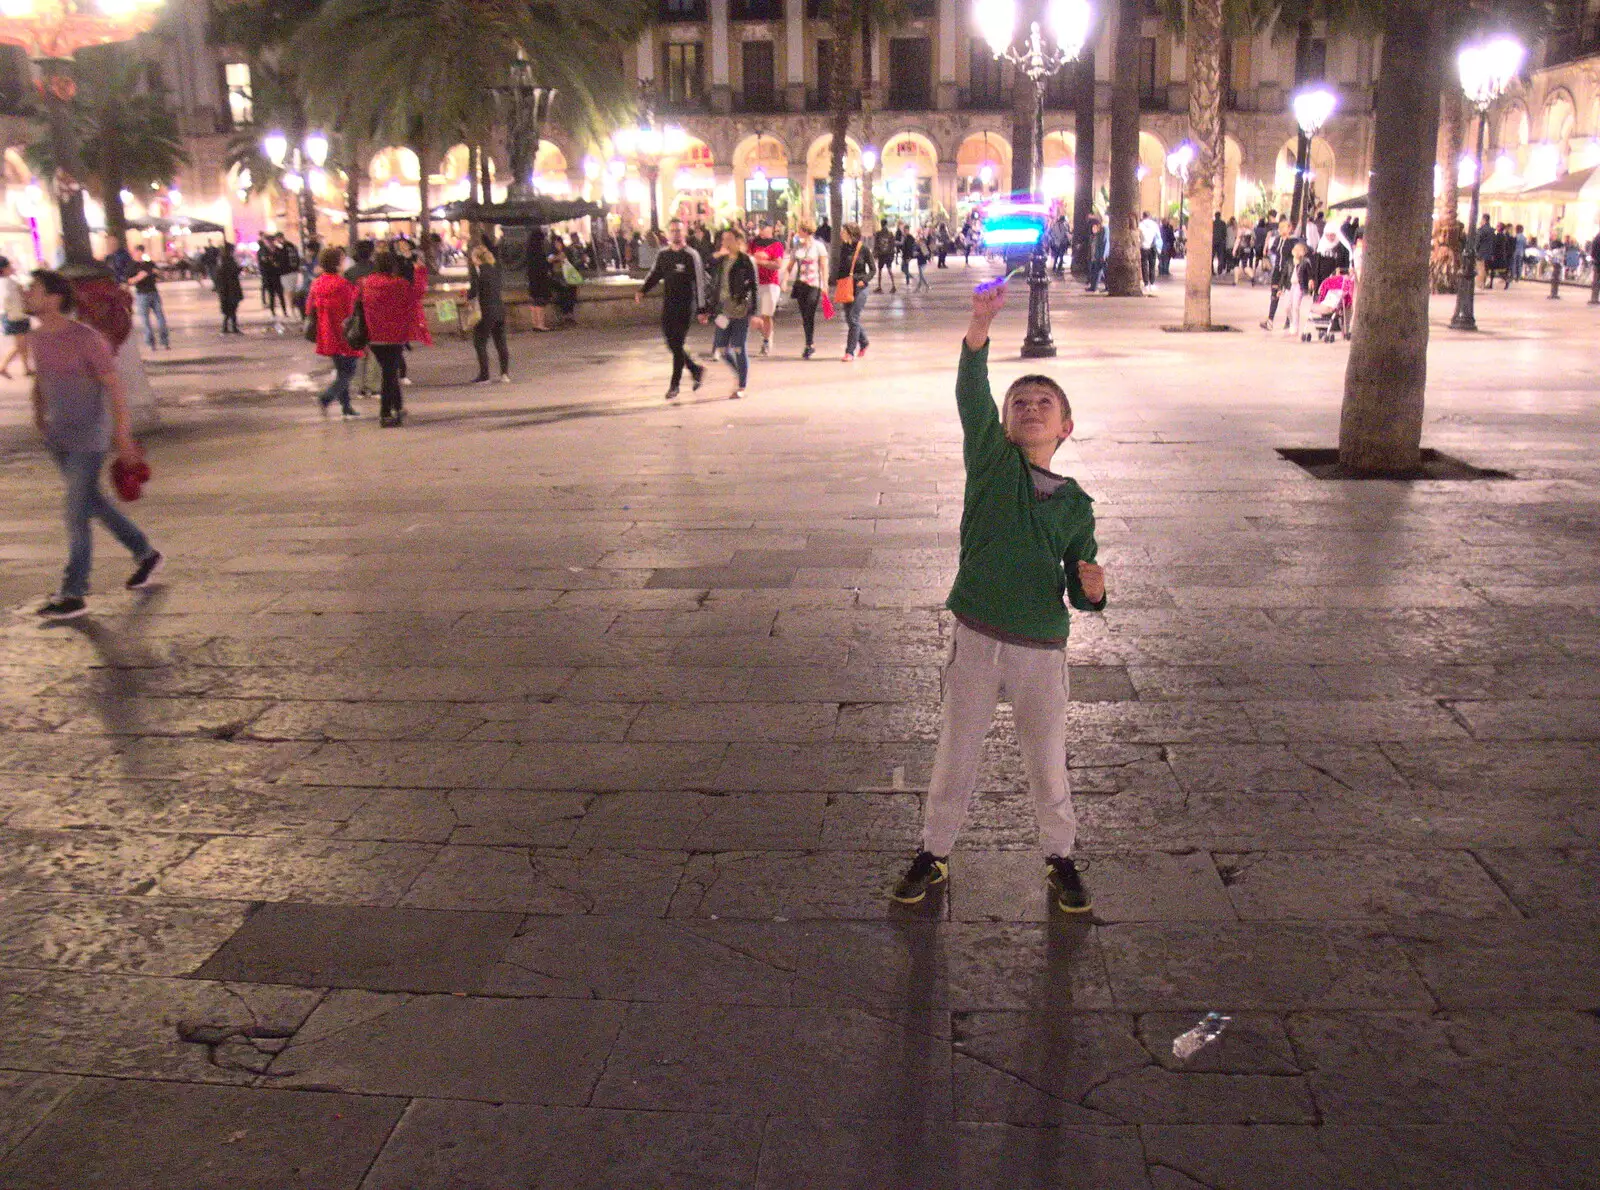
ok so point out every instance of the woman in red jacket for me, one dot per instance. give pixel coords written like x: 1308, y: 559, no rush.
x: 330, y: 302
x: 391, y: 313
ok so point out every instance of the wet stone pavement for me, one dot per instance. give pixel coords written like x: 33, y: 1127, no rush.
x: 509, y: 801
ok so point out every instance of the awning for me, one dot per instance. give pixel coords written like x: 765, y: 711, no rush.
x: 1582, y: 186
x: 1358, y: 203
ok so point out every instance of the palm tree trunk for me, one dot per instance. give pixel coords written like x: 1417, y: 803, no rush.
x: 1380, y: 425
x: 1122, y: 267
x: 846, y: 17
x: 1083, y: 163
x: 425, y: 240
x: 1022, y: 91
x: 1204, y: 37
x: 472, y: 174
x: 111, y: 183
x: 352, y: 196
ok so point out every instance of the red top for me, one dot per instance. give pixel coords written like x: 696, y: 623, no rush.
x: 391, y: 308
x: 332, y: 298
x: 768, y: 261
x: 419, y: 286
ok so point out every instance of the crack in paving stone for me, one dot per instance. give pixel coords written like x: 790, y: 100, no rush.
x: 1151, y: 1165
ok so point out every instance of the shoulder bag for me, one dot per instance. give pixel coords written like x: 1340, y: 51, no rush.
x: 355, y: 327
x: 844, y: 289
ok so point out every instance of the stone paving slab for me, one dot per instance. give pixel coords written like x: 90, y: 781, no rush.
x: 536, y: 815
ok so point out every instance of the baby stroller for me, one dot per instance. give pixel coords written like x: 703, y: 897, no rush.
x: 1330, y: 317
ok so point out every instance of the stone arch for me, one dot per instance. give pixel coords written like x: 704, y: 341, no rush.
x: 1153, y: 180
x: 1560, y: 116
x: 760, y: 174
x: 908, y: 168
x: 1317, y: 178
x: 394, y: 163
x: 1515, y: 126
x: 983, y: 165
x: 1231, y: 199
x: 814, y: 200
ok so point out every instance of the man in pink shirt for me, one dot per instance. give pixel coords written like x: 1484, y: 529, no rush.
x: 767, y: 251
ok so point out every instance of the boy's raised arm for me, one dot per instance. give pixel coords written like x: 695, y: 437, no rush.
x: 979, y: 421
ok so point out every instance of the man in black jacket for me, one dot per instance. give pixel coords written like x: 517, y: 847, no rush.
x: 678, y: 270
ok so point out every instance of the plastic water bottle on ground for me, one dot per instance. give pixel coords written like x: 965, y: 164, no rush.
x: 1189, y: 1043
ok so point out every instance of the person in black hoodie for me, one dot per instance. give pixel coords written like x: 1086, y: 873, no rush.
x: 733, y: 300
x: 678, y: 271
x: 230, y: 289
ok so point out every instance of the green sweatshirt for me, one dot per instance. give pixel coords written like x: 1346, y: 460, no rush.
x: 1019, y: 554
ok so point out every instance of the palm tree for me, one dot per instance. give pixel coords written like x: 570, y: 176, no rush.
x: 850, y: 20
x: 1083, y: 104
x: 127, y: 135
x: 418, y: 72
x: 1380, y: 425
x: 1203, y: 43
x: 1123, y: 277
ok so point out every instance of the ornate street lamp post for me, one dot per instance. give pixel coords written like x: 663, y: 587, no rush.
x: 1312, y: 110
x: 646, y: 144
x: 1487, y: 70
x: 52, y: 31
x: 1069, y: 24
x: 297, y: 178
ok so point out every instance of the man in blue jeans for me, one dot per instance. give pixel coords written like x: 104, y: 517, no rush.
x: 147, y: 300
x: 78, y: 406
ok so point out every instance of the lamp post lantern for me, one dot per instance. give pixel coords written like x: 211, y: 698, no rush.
x: 1178, y: 163
x: 1069, y: 25
x: 299, y: 177
x: 51, y: 32
x: 647, y: 144
x: 1312, y: 110
x: 1487, y: 70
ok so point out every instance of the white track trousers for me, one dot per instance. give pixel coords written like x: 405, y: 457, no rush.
x: 1035, y: 682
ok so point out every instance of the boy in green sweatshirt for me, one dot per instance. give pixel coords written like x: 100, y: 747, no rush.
x: 1027, y: 542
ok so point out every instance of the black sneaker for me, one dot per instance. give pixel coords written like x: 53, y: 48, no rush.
x: 925, y: 871
x: 699, y: 379
x: 146, y: 572
x: 1066, y: 886
x: 64, y: 607
x: 672, y: 394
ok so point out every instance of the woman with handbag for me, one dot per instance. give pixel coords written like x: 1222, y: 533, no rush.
x: 808, y: 269
x: 487, y: 291
x: 850, y: 290
x: 330, y: 301
x: 733, y: 300
x: 389, y: 311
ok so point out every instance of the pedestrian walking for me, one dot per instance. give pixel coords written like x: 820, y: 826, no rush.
x: 329, y: 302
x: 487, y: 289
x: 1149, y: 232
x: 855, y: 268
x: 389, y: 306
x: 733, y: 298
x: 230, y: 289
x: 883, y: 243
x: 16, y: 323
x: 678, y: 271
x: 767, y: 250
x: 807, y: 269
x: 80, y: 408
x: 367, y: 380
x: 1027, y: 541
x: 270, y: 266
x: 1303, y: 282
x: 147, y: 300
x: 1099, y: 250
x: 907, y: 248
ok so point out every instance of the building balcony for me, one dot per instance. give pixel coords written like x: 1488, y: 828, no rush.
x: 820, y: 100
x: 755, y: 10
x: 679, y: 12
x: 757, y: 102
x: 682, y: 105
x: 983, y: 101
